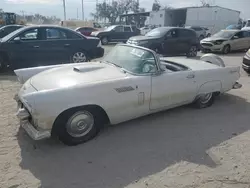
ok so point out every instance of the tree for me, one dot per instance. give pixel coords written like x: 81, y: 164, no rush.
x: 1, y: 10
x: 156, y: 6
x: 205, y: 3
x: 116, y: 8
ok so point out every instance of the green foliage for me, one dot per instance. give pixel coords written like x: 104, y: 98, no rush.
x: 156, y: 6
x: 116, y: 8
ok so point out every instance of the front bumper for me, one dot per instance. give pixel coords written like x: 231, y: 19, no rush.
x: 246, y: 63
x: 25, y: 122
x: 211, y: 47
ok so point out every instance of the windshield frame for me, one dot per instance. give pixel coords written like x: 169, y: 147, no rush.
x: 12, y: 34
x: 156, y: 58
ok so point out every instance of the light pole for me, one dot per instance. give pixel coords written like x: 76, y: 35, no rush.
x: 82, y: 11
x: 64, y: 10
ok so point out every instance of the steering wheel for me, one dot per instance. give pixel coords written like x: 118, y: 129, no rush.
x: 147, y: 66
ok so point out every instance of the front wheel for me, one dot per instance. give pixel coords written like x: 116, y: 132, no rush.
x: 192, y: 51
x: 226, y: 49
x: 204, y: 100
x: 77, y: 126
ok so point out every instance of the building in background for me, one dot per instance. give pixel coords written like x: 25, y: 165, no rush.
x: 214, y: 18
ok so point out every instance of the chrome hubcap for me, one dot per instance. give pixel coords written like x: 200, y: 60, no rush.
x: 205, y: 98
x: 79, y: 57
x: 104, y: 40
x: 193, y: 51
x: 80, y: 124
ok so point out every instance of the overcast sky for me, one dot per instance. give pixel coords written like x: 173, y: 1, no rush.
x: 54, y: 7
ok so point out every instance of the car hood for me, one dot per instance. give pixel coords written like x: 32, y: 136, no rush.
x: 210, y: 39
x: 191, y: 63
x: 69, y: 76
x: 137, y: 38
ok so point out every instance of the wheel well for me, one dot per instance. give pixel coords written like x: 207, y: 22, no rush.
x: 103, y: 115
x: 228, y: 45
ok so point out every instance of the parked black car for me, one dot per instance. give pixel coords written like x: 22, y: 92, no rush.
x: 116, y: 33
x: 246, y: 62
x: 47, y: 45
x: 169, y: 41
x: 5, y: 30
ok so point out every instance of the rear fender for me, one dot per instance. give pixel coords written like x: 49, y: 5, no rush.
x: 210, y: 87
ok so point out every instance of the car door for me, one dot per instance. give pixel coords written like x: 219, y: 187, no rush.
x: 56, y: 46
x: 184, y: 41
x: 127, y: 33
x: 170, y: 42
x: 170, y: 89
x: 238, y: 41
x: 23, y: 48
x: 117, y: 34
x: 246, y: 41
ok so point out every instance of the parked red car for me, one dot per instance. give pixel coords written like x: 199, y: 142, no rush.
x: 85, y: 30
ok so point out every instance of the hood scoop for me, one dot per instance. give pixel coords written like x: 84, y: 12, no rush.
x: 86, y: 68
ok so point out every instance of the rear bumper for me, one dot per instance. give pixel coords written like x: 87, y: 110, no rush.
x: 97, y: 52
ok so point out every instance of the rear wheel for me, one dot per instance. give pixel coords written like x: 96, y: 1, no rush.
x: 226, y: 49
x: 204, y: 100
x: 104, y: 40
x: 79, y: 57
x: 78, y: 125
x: 192, y: 51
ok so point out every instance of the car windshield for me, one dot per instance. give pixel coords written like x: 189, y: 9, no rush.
x: 157, y: 32
x: 132, y: 59
x: 110, y: 28
x: 224, y: 34
x: 9, y: 36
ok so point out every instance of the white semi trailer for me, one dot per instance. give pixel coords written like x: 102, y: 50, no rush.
x: 214, y: 18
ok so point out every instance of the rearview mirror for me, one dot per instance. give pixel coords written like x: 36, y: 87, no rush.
x: 17, y: 40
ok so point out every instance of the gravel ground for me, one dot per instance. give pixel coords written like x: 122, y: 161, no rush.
x: 179, y: 148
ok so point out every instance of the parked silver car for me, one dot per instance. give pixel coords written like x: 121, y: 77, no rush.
x: 200, y: 31
x: 226, y: 41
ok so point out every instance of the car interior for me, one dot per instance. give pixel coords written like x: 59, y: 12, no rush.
x: 171, y: 66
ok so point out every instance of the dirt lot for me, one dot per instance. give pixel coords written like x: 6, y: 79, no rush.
x: 184, y: 147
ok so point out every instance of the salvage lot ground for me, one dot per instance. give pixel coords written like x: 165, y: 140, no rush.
x: 179, y: 148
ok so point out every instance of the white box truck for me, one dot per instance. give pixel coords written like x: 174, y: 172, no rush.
x: 214, y: 18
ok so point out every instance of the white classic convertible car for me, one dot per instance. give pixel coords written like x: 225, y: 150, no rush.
x: 73, y: 101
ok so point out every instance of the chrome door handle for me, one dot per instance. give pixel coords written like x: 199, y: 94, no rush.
x: 190, y: 76
x: 66, y: 45
x: 36, y: 46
